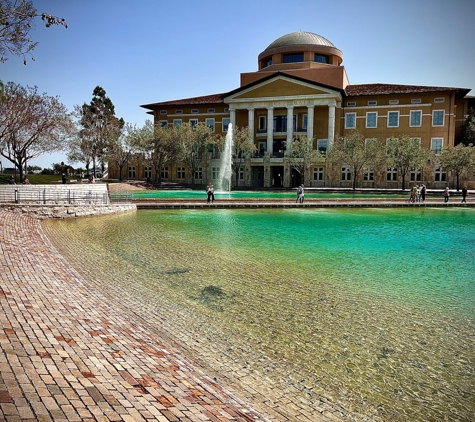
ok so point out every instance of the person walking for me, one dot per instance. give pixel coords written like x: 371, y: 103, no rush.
x: 446, y: 194
x: 464, y: 194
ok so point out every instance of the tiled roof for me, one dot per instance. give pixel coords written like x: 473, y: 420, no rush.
x: 205, y: 99
x: 387, y: 89
x: 350, y: 90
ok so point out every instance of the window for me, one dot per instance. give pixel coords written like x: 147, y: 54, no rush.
x: 262, y: 148
x: 322, y: 145
x: 164, y: 173
x: 241, y: 173
x: 210, y: 124
x: 226, y: 122
x: 163, y: 111
x: 416, y: 101
x: 393, y: 102
x: 438, y: 118
x: 321, y: 58
x: 193, y: 123
x: 415, y: 118
x: 439, y: 100
x: 178, y: 111
x: 345, y: 173
x: 177, y: 122
x: 147, y: 172
x: 304, y: 121
x: 214, y: 173
x: 368, y: 174
x: 351, y: 104
x: 180, y: 172
x: 194, y: 111
x: 199, y: 173
x: 415, y: 175
x: 436, y: 145
x: 131, y: 172
x: 371, y: 119
x: 210, y: 110
x: 391, y: 174
x: 280, y: 123
x: 440, y: 175
x: 372, y: 103
x: 393, y: 118
x: 293, y: 58
x: 318, y: 173
x: 268, y: 62
x: 163, y: 123
x: 350, y: 120
x: 262, y: 123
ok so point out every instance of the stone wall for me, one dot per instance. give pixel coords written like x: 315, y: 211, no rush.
x: 42, y: 212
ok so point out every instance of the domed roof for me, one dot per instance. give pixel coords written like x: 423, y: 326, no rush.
x: 299, y: 38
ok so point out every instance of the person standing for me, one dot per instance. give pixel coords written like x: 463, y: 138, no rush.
x: 302, y: 194
x: 299, y: 192
x: 464, y: 194
x: 446, y: 194
x: 11, y: 181
x: 423, y: 192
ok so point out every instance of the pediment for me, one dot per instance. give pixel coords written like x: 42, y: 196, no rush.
x: 281, y: 86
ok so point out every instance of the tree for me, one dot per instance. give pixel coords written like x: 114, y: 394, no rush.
x: 160, y: 146
x: 193, y: 141
x: 405, y: 154
x: 356, y: 153
x: 99, y: 128
x: 16, y: 21
x: 301, y: 155
x: 124, y: 147
x: 467, y: 133
x: 32, y: 124
x: 458, y: 159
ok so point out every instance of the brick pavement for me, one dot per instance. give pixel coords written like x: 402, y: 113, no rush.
x: 67, y: 355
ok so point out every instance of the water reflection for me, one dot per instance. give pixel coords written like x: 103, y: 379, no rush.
x: 372, y: 310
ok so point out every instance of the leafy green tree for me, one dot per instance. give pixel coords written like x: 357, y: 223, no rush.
x: 99, y: 128
x: 467, y: 133
x: 193, y: 141
x: 32, y: 124
x: 405, y: 154
x: 16, y: 21
x: 459, y: 159
x: 356, y: 153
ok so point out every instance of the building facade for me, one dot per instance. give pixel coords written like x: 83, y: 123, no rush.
x: 301, y: 88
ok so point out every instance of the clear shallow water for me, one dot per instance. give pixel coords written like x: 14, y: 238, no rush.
x: 372, y: 310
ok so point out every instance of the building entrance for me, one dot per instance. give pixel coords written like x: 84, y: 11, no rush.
x: 277, y: 176
x: 297, y: 178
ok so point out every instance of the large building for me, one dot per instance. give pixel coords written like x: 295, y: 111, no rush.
x: 301, y: 88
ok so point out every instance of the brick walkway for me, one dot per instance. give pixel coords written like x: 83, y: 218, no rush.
x: 66, y: 355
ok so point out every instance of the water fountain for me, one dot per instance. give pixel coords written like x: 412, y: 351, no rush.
x: 225, y: 168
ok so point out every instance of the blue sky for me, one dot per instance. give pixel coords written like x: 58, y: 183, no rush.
x: 146, y: 51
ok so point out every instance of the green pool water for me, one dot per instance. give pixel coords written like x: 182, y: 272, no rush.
x: 254, y: 195
x: 370, y: 310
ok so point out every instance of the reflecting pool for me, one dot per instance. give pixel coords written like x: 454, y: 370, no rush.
x: 371, y: 310
x: 255, y: 195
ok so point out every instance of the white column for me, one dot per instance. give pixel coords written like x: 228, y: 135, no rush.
x: 331, y: 123
x: 270, y: 130
x: 290, y: 125
x: 232, y: 116
x: 311, y: 112
x: 250, y: 123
